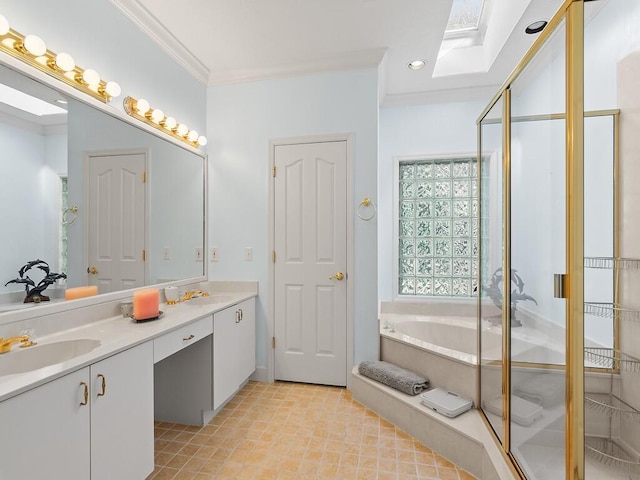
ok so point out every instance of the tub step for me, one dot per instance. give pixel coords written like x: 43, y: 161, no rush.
x: 463, y: 440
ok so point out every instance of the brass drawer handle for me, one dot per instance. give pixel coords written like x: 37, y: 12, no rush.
x: 104, y: 385
x: 86, y: 394
x: 190, y: 337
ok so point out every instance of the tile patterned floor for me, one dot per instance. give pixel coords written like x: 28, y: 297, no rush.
x: 288, y: 431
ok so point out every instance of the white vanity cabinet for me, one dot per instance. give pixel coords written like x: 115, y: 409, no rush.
x: 246, y: 339
x: 234, y: 349
x: 45, y: 431
x: 77, y: 427
x: 122, y: 415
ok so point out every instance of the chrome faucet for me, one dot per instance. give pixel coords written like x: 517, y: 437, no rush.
x: 5, y: 344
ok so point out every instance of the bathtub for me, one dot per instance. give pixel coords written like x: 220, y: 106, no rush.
x: 452, y: 337
x: 444, y: 347
x: 439, y: 347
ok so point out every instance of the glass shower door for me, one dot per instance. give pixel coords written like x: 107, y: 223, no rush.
x: 538, y: 219
x: 490, y: 266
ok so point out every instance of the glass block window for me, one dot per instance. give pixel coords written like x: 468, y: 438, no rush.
x: 438, y: 227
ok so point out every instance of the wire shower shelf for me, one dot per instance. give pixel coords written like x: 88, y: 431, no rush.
x: 612, y: 358
x: 610, y: 310
x: 607, y: 451
x: 611, y: 405
x: 610, y: 263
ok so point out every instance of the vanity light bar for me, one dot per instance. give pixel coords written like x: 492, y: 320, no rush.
x: 32, y: 50
x: 141, y: 110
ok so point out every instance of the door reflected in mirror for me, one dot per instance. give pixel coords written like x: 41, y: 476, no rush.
x: 88, y: 192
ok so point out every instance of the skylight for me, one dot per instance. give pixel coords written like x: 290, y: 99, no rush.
x: 464, y: 16
x: 27, y: 103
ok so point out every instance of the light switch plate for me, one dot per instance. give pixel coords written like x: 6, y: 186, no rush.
x: 248, y: 254
x: 213, y: 254
x: 199, y: 253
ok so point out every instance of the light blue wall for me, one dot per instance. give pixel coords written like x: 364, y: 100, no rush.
x: 436, y: 129
x: 25, y: 185
x: 99, y: 36
x: 242, y: 119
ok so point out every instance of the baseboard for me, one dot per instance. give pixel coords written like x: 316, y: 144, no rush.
x: 260, y: 375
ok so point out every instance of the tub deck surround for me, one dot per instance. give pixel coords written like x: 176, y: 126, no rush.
x: 115, y: 333
x: 463, y: 440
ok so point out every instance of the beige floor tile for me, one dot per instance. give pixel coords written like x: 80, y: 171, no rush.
x: 286, y: 431
x: 448, y: 473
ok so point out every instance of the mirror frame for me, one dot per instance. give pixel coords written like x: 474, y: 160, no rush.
x: 119, y: 114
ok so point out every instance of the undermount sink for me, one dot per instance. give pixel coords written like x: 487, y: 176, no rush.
x: 211, y: 299
x: 20, y: 360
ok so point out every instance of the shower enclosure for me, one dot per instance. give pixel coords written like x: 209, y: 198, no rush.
x: 558, y: 148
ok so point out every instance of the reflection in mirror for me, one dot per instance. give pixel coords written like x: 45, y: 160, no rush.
x: 81, y: 189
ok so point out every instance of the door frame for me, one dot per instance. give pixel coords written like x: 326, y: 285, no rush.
x: 273, y: 143
x: 86, y: 155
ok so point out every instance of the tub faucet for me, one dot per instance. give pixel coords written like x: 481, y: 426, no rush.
x: 5, y: 344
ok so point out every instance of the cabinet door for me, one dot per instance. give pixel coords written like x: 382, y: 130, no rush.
x: 225, y: 355
x: 122, y: 415
x: 247, y: 340
x: 45, y: 431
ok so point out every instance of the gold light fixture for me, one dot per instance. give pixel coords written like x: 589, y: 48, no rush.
x: 141, y: 110
x: 32, y: 50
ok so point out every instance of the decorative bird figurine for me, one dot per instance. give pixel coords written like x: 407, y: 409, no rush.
x: 494, y: 292
x: 34, y: 294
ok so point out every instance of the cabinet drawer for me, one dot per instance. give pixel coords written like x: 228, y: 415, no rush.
x: 183, y: 337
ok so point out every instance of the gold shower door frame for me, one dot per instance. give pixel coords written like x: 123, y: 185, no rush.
x: 572, y: 12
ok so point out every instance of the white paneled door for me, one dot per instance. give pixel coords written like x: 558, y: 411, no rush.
x: 116, y: 221
x: 310, y: 262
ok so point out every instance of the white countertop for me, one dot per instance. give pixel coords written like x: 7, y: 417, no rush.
x: 115, y: 334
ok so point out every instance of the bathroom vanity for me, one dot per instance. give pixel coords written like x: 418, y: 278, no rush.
x: 91, y: 415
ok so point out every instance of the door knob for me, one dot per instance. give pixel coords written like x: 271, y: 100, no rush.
x: 92, y: 270
x: 338, y: 276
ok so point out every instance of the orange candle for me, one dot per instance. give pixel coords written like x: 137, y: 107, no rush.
x: 146, y: 304
x: 79, y: 292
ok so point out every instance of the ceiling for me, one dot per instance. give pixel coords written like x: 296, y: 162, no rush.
x: 231, y: 41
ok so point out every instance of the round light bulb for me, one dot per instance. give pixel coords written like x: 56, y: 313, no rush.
x: 35, y: 45
x: 91, y: 77
x: 182, y: 130
x: 65, y: 62
x: 4, y: 25
x: 113, y: 89
x: 142, y: 106
x: 202, y: 140
x: 192, y: 136
x: 170, y: 123
x: 157, y: 116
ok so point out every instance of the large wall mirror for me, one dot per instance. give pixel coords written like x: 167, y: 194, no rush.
x: 95, y: 197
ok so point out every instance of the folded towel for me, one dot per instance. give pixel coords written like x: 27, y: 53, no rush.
x: 544, y: 389
x: 393, y: 376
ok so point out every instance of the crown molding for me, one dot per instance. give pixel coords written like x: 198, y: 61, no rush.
x: 155, y: 30
x: 452, y: 95
x: 350, y: 61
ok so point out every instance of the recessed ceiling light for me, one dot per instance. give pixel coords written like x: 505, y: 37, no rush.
x: 535, y: 27
x: 417, y: 64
